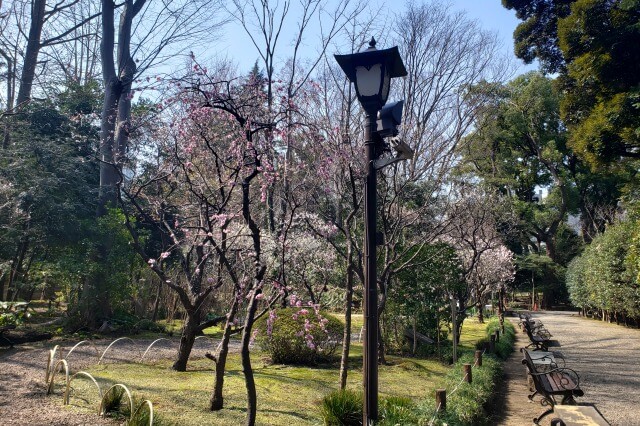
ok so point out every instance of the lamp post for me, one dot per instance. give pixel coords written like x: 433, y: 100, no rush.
x: 371, y: 72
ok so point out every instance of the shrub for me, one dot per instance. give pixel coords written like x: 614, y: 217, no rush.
x: 298, y: 335
x: 504, y: 346
x: 13, y: 313
x: 466, y: 406
x: 342, y: 407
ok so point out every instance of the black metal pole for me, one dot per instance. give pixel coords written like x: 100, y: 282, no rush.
x: 370, y: 368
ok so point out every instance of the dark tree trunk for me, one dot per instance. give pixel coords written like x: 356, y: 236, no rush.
x: 189, y: 332
x: 3, y: 277
x: 32, y: 51
x: 16, y: 267
x: 156, y: 303
x: 252, y: 398
x: 217, y: 399
x: 108, y: 170
x: 346, y: 335
x: 480, y: 313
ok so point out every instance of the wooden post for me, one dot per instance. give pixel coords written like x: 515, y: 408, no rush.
x: 441, y: 400
x: 454, y: 322
x: 478, y: 358
x: 467, y: 373
x: 492, y: 343
x: 497, y: 333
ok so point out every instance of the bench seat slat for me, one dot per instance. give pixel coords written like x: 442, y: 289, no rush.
x: 560, y: 382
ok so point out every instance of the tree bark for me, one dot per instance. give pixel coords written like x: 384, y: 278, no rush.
x: 346, y: 336
x: 32, y: 51
x: 187, y: 338
x: 217, y: 399
x: 480, y: 313
x: 252, y: 399
x: 16, y: 266
x: 156, y: 303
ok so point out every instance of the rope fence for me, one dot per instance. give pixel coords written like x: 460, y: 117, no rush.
x: 455, y: 389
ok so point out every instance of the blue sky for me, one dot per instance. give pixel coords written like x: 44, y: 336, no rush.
x: 235, y: 44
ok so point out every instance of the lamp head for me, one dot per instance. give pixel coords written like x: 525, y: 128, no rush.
x: 371, y: 71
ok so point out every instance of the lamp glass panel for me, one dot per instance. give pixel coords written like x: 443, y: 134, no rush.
x: 368, y: 80
x: 386, y: 85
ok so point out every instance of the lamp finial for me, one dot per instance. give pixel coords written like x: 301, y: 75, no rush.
x: 372, y: 43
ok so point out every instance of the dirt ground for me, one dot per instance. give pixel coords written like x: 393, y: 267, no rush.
x: 23, y: 399
x: 606, y: 357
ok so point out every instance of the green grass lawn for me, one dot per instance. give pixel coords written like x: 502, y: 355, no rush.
x: 287, y: 395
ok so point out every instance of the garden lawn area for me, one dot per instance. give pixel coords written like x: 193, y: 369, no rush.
x: 287, y: 395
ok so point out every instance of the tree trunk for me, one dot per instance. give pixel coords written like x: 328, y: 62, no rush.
x: 16, y: 267
x: 480, y: 313
x: 252, y: 399
x: 382, y: 360
x: 156, y: 303
x: 3, y: 276
x: 217, y: 400
x: 108, y: 170
x: 346, y: 335
x: 189, y: 332
x: 415, y: 336
x: 31, y: 52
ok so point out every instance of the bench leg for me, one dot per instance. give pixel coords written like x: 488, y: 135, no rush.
x: 546, y: 413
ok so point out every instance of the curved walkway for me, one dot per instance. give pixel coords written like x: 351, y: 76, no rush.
x: 606, y: 356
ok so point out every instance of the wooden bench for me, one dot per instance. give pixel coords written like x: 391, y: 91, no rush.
x: 556, y: 382
x: 578, y: 415
x: 535, y: 325
x: 541, y: 342
x: 545, y: 360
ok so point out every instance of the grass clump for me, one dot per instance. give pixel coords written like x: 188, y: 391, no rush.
x: 397, y: 410
x: 504, y: 346
x: 141, y: 414
x: 344, y: 408
x: 112, y: 401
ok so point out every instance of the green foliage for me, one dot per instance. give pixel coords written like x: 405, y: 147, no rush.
x: 504, y: 346
x: 605, y: 277
x: 594, y: 46
x: 342, y: 408
x: 601, y: 45
x: 396, y: 410
x: 467, y: 405
x: 112, y: 400
x: 141, y: 415
x: 421, y: 292
x: 13, y: 313
x: 298, y: 335
x: 548, y: 277
x: 519, y: 146
x: 536, y: 37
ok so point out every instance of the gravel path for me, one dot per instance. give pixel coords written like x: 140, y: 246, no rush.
x: 23, y: 399
x: 607, y: 358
